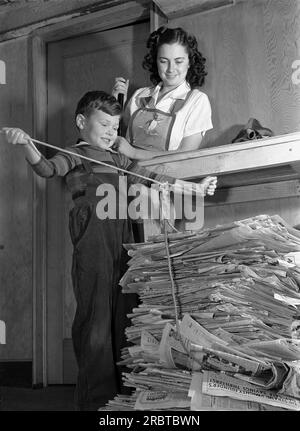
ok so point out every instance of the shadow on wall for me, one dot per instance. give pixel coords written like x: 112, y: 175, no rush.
x: 224, y: 138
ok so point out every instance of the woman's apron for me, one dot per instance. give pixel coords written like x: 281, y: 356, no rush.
x: 99, y: 261
x: 150, y: 129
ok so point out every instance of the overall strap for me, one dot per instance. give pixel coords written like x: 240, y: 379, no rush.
x: 86, y: 163
x: 179, y: 103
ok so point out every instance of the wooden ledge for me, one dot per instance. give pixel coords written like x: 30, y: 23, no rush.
x: 278, y: 157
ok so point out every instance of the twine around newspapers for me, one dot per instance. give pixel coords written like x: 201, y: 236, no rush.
x: 164, y: 189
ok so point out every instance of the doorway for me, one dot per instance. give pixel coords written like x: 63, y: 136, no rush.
x: 75, y: 66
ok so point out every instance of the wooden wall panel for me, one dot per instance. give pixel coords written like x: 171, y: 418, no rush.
x: 250, y: 48
x: 287, y: 208
x: 26, y: 13
x: 15, y: 209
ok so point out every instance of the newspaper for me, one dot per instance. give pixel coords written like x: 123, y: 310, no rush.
x: 201, y: 401
x: 160, y: 400
x: 192, y: 330
x: 283, y: 348
x: 291, y: 385
x: 148, y: 342
x: 173, y: 350
x: 221, y: 385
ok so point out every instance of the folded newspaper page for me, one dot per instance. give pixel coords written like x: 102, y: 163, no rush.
x: 160, y: 400
x: 221, y: 385
x: 201, y: 401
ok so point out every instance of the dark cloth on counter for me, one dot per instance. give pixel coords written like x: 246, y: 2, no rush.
x: 252, y: 130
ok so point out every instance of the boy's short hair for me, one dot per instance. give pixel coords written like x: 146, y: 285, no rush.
x: 98, y: 100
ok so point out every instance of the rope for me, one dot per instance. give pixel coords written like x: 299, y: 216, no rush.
x: 63, y: 150
x: 169, y: 259
x: 163, y: 197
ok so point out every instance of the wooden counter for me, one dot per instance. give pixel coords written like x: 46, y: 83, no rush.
x: 262, y: 154
x: 251, y: 171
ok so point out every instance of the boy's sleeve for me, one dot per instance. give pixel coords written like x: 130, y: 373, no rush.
x: 43, y: 168
x: 157, y: 174
x: 59, y: 165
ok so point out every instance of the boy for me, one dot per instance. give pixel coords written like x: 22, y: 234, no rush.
x: 99, y: 259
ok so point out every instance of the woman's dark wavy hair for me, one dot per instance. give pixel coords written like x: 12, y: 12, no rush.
x: 196, y: 73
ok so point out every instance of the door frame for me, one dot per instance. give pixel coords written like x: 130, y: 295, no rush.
x: 123, y: 14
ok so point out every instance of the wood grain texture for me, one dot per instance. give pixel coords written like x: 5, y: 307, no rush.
x: 175, y: 8
x: 15, y: 213
x: 287, y: 208
x: 76, y: 66
x: 41, y: 10
x: 37, y: 65
x: 82, y: 21
x: 254, y: 193
x: 240, y: 158
x: 249, y: 49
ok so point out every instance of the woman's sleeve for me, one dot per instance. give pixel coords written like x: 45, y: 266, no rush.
x: 199, y: 115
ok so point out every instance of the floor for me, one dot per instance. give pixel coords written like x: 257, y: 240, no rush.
x: 52, y: 398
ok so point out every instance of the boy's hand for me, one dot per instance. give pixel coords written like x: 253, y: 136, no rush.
x: 16, y: 136
x: 120, y: 87
x: 123, y: 147
x: 209, y: 185
x: 206, y: 187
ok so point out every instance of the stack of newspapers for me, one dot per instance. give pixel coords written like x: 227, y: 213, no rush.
x: 226, y: 335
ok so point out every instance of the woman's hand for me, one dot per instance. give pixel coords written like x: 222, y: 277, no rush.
x: 123, y: 147
x: 120, y: 87
x: 16, y: 136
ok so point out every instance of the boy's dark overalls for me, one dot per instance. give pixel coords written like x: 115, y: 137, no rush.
x: 99, y: 261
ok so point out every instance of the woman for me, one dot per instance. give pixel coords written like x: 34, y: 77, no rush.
x: 173, y: 114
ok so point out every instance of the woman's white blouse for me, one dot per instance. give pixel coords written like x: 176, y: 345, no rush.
x: 193, y: 118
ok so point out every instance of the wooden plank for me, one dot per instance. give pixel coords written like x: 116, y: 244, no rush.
x: 175, y: 155
x: 55, y: 229
x: 175, y: 8
x: 15, y: 203
x: 156, y: 18
x: 26, y: 14
x: 256, y: 192
x: 269, y: 175
x: 228, y: 159
x: 77, y: 23
x: 39, y: 240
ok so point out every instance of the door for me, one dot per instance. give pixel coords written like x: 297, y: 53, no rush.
x: 76, y: 66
